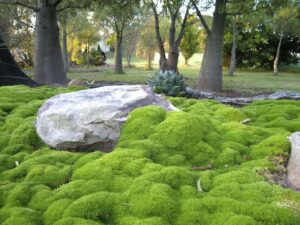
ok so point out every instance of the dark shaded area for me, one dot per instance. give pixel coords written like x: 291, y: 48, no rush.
x: 10, y: 72
x: 257, y: 49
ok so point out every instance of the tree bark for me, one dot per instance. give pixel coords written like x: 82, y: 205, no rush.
x: 129, y: 60
x: 118, y: 55
x: 65, y: 46
x: 88, y: 55
x: 211, y: 69
x: 49, y: 66
x: 276, y: 61
x: 149, y: 59
x: 171, y: 62
x: 10, y: 72
x: 186, y: 61
x: 234, y: 47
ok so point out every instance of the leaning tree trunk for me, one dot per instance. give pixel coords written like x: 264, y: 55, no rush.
x: 118, y: 56
x: 65, y: 47
x: 234, y: 47
x: 49, y: 65
x: 10, y: 72
x: 276, y: 61
x: 211, y: 69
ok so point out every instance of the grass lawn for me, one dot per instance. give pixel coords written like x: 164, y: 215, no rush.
x: 243, y: 81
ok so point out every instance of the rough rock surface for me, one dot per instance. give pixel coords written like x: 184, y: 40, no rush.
x: 92, y: 119
x: 294, y: 162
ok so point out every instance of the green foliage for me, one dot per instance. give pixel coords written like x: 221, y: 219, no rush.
x: 258, y: 42
x: 168, y: 82
x: 190, y: 41
x: 152, y: 176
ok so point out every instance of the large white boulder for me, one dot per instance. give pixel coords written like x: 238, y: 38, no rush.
x: 294, y: 162
x: 91, y: 119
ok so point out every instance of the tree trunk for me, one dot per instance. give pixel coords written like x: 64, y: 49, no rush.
x: 65, y: 46
x: 118, y: 56
x: 88, y: 55
x: 129, y: 60
x: 211, y: 69
x: 186, y: 61
x: 234, y: 47
x: 149, y: 64
x: 276, y: 61
x: 10, y: 72
x: 49, y: 65
x: 172, y: 61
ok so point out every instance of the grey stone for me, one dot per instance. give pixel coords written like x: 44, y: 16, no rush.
x: 92, y: 119
x: 294, y: 162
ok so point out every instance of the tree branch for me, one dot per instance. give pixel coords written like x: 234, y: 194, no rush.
x: 69, y: 6
x: 157, y: 31
x: 56, y: 3
x: 201, y: 18
x: 15, y: 2
x: 183, y: 25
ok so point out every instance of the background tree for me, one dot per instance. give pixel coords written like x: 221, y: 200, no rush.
x: 116, y: 16
x: 77, y: 21
x: 285, y: 22
x: 211, y: 72
x: 190, y: 42
x: 88, y: 37
x: 258, y: 40
x: 235, y: 33
x: 174, y: 10
x: 10, y: 72
x: 147, y: 43
x: 49, y: 66
x: 132, y: 35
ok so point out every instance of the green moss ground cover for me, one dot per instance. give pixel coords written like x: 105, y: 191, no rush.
x: 148, y: 179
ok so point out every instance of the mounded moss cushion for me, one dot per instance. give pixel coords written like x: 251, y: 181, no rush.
x: 148, y: 179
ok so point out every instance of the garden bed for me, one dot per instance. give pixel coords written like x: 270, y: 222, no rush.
x: 150, y: 177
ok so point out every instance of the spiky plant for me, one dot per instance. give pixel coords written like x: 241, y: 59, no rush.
x: 168, y: 82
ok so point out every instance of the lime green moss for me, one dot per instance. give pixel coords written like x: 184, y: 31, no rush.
x: 138, y: 221
x: 20, y: 216
x: 52, y: 176
x: 154, y: 176
x: 55, y: 211
x: 146, y: 199
x: 76, y: 221
x: 97, y: 206
x: 274, y: 145
x: 25, y: 134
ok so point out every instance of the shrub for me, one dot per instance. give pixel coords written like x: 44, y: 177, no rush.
x: 169, y: 82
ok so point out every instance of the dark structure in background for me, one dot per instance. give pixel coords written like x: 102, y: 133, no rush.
x: 10, y: 72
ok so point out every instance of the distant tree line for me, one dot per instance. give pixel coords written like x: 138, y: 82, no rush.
x: 241, y: 33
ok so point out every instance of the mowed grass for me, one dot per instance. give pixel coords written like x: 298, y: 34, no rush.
x: 242, y: 81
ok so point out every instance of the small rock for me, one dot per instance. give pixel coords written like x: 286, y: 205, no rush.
x: 246, y: 121
x: 77, y: 83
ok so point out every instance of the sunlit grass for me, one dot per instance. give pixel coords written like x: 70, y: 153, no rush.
x: 254, y: 82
